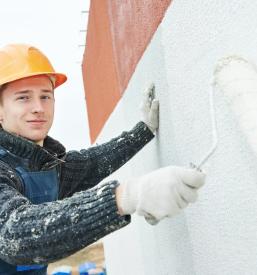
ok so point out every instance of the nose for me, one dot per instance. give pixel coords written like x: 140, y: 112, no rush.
x: 37, y: 106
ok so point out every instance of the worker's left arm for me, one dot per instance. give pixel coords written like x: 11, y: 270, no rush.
x: 96, y: 163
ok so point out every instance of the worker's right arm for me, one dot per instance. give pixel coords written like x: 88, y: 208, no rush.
x: 44, y: 233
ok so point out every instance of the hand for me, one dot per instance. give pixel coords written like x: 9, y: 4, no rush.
x: 150, y: 109
x: 161, y: 193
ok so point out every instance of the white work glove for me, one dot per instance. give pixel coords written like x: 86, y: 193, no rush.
x: 150, y: 109
x: 161, y: 193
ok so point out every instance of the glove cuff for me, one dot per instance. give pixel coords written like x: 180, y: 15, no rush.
x: 153, y: 129
x: 129, y: 197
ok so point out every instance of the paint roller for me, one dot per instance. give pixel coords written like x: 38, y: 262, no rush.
x: 237, y: 79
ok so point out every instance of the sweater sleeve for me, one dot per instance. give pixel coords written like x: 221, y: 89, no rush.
x: 40, y: 234
x: 90, y: 166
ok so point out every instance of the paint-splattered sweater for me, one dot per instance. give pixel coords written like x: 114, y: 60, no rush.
x: 85, y: 210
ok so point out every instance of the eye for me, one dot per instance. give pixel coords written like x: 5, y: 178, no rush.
x: 46, y: 97
x: 23, y: 98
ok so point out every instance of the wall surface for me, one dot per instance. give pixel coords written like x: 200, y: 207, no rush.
x: 218, y: 234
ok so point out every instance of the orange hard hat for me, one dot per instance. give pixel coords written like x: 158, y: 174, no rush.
x: 18, y: 61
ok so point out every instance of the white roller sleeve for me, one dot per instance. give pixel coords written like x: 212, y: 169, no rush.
x: 237, y: 79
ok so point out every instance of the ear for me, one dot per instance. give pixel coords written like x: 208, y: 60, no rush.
x: 1, y: 114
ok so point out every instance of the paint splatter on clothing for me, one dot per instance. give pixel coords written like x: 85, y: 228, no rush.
x: 85, y: 210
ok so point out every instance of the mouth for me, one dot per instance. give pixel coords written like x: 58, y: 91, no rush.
x: 37, y: 122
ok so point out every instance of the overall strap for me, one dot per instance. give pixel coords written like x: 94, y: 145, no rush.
x: 29, y: 181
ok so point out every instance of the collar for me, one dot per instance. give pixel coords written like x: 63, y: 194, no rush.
x: 51, y: 152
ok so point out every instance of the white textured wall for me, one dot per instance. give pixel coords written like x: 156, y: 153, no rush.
x: 218, y: 234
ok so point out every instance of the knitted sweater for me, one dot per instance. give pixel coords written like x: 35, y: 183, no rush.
x: 85, y: 211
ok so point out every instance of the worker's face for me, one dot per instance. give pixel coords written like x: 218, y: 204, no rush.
x: 27, y: 108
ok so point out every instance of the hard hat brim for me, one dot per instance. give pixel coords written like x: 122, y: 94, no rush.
x: 59, y: 78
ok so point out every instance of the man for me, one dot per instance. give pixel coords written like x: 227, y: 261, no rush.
x: 50, y: 202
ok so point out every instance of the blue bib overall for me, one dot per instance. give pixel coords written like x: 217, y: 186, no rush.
x: 39, y: 187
